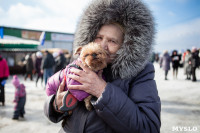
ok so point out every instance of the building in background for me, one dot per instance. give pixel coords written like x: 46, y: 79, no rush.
x: 16, y: 43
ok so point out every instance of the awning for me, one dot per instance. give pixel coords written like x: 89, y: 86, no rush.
x: 18, y: 44
x: 18, y: 50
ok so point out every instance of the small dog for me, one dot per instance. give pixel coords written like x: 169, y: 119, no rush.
x: 94, y: 57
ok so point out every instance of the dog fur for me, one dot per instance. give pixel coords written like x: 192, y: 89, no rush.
x: 95, y: 58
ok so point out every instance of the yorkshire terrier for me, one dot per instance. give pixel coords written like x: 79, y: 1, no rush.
x: 94, y: 57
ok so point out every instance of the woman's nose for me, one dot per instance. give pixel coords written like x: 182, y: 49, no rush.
x: 104, y: 44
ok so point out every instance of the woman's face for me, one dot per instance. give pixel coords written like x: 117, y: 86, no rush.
x: 110, y: 37
x: 175, y: 53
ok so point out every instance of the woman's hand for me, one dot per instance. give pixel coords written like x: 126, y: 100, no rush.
x: 91, y: 82
x: 59, y: 96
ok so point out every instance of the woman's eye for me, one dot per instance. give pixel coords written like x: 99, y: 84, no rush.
x: 98, y: 38
x: 112, y: 41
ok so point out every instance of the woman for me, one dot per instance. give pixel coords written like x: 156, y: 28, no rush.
x: 194, y: 59
x: 187, y: 65
x: 165, y: 63
x: 38, y: 67
x: 29, y: 67
x: 128, y: 100
x: 4, y: 74
x: 175, y: 63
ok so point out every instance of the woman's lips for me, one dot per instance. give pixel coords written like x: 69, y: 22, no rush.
x: 111, y: 57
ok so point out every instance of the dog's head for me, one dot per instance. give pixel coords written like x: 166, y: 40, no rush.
x: 93, y: 56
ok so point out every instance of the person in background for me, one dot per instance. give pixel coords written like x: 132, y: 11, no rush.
x: 4, y: 74
x: 20, y: 98
x: 34, y: 57
x: 175, y: 63
x: 157, y: 57
x: 47, y: 66
x: 22, y: 63
x: 38, y: 67
x: 187, y: 64
x: 194, y: 62
x: 165, y: 63
x: 29, y: 67
x: 199, y: 56
x: 153, y: 56
x: 60, y: 61
x: 180, y: 54
x: 127, y: 100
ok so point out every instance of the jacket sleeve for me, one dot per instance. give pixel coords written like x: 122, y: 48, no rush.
x: 53, y: 83
x: 17, y: 91
x: 49, y: 111
x: 42, y: 64
x: 137, y: 110
x: 6, y: 71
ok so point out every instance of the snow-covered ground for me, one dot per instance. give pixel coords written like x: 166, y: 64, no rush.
x: 180, y: 106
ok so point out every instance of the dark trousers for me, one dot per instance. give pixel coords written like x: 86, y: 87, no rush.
x: 39, y: 75
x: 19, y: 107
x: 175, y: 71
x: 166, y: 73
x: 29, y: 73
x: 194, y: 74
x: 2, y: 94
x: 48, y: 72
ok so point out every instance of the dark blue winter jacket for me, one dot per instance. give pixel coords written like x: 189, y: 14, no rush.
x: 126, y: 106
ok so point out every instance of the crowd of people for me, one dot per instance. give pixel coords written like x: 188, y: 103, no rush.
x: 189, y: 60
x: 43, y: 65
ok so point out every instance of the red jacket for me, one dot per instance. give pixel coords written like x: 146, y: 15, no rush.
x: 4, y: 69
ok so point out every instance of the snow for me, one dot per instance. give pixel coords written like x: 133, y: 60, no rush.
x: 180, y: 105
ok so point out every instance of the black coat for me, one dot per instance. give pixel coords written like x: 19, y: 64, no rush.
x: 194, y: 59
x: 29, y: 65
x: 60, y: 63
x: 48, y: 61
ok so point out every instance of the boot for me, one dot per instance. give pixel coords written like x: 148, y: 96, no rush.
x: 15, y: 118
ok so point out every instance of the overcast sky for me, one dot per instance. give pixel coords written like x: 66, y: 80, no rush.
x: 177, y: 21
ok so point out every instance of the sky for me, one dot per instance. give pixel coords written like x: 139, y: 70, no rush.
x: 177, y: 21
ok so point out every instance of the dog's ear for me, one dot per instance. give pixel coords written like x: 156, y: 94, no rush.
x: 78, y: 50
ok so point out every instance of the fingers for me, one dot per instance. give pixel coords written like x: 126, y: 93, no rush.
x: 76, y: 71
x: 62, y: 86
x: 100, y: 73
x: 85, y: 68
x: 76, y: 87
x: 75, y: 77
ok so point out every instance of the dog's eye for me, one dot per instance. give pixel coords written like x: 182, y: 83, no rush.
x: 86, y: 55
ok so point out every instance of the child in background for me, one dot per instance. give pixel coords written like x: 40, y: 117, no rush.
x: 20, y: 98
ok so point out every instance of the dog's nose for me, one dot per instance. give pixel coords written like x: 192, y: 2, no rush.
x: 94, y: 55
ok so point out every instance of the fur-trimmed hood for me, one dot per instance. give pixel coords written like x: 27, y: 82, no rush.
x: 138, y: 23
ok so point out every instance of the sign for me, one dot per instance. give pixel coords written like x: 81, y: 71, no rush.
x: 32, y: 35
x: 62, y: 37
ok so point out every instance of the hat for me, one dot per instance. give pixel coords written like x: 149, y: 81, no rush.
x: 136, y: 22
x: 39, y: 54
x: 15, y: 81
x: 60, y: 52
x: 55, y: 54
x: 194, y: 48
